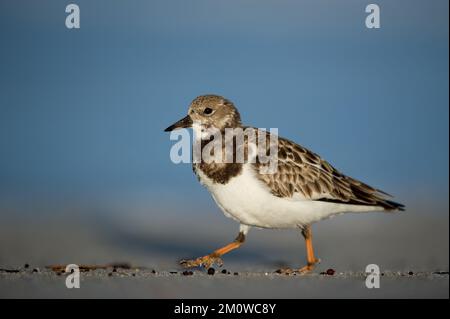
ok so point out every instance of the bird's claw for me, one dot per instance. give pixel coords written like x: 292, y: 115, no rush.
x: 205, y: 261
x: 304, y: 270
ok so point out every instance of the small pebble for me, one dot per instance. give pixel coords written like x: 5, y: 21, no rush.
x: 153, y: 271
x: 26, y: 266
x: 187, y: 273
x: 114, y: 269
x: 211, y: 271
x: 236, y: 273
x: 36, y: 270
x: 410, y: 273
x: 134, y: 275
x: 330, y: 272
x: 224, y: 271
x: 110, y: 274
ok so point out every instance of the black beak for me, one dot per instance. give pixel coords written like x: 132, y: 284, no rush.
x: 183, y: 123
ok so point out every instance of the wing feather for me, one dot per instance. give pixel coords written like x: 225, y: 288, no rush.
x: 305, y: 173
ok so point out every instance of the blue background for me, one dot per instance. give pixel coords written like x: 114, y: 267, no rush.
x: 82, y: 112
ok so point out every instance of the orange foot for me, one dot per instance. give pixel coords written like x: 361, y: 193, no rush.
x: 205, y: 261
x: 304, y: 270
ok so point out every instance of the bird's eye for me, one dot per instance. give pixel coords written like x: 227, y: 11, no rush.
x: 208, y: 110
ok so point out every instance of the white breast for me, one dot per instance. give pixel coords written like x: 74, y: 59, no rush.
x: 249, y: 201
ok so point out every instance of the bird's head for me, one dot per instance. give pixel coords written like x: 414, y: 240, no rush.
x: 209, y: 111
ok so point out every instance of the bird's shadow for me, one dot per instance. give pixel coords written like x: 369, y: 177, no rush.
x: 151, y: 244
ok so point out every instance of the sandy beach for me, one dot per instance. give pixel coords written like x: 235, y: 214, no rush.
x: 411, y: 250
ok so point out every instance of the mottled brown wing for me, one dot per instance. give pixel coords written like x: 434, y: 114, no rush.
x: 307, y: 174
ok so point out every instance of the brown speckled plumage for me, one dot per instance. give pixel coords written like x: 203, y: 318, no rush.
x: 219, y: 172
x: 306, y: 173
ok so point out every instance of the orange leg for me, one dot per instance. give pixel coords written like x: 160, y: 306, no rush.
x: 310, y: 258
x: 214, y: 257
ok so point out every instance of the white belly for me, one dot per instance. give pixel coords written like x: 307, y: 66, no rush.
x: 247, y: 200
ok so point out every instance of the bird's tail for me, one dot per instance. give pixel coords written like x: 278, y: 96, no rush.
x: 390, y: 205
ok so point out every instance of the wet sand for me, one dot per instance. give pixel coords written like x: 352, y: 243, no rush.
x: 409, y: 248
x: 149, y: 283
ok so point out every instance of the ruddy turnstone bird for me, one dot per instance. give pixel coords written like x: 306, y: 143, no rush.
x: 302, y: 190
